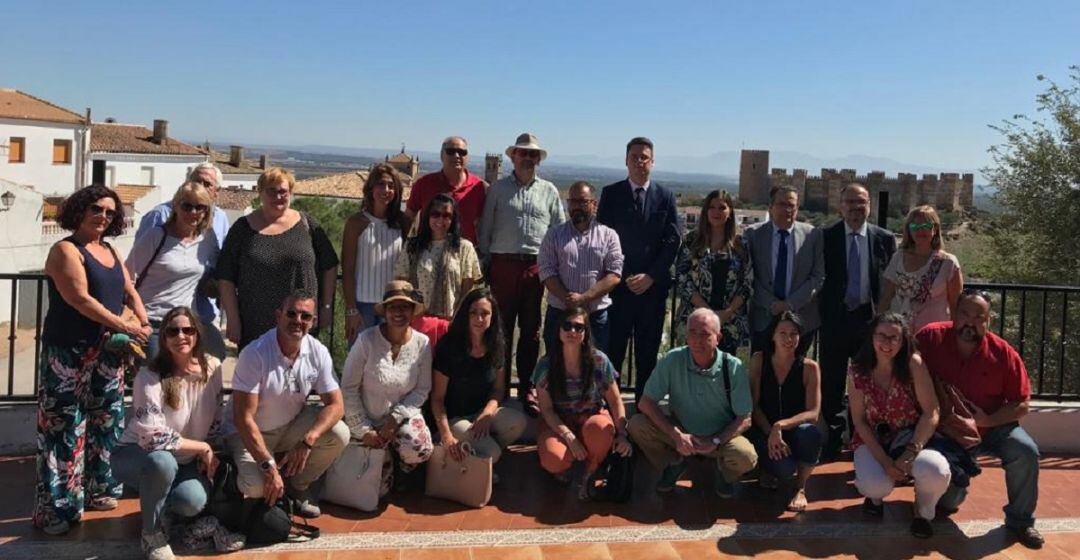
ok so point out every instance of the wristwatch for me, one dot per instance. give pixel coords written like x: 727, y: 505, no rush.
x: 268, y: 465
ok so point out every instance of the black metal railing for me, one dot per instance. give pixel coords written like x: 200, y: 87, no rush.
x: 1034, y: 319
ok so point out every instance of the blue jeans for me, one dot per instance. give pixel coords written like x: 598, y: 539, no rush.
x: 160, y: 482
x: 213, y: 343
x: 367, y: 313
x: 1020, y: 458
x: 598, y: 327
x: 805, y: 441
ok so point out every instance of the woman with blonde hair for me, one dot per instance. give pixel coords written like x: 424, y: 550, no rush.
x: 922, y: 281
x: 370, y: 245
x: 269, y: 254
x: 713, y: 270
x: 171, y: 263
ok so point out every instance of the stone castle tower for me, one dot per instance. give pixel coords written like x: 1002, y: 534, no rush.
x: 754, y: 176
x: 492, y: 167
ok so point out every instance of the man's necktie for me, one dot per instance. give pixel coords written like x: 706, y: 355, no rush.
x: 853, y: 296
x: 780, y: 278
x: 639, y: 201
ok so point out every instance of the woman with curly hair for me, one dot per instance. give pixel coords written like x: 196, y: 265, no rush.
x: 713, y: 270
x: 370, y: 245
x: 81, y: 391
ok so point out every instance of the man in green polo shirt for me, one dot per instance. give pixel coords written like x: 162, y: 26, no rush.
x: 708, y: 395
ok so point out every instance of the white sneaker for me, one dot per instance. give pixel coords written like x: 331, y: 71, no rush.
x: 155, y: 546
x: 225, y: 541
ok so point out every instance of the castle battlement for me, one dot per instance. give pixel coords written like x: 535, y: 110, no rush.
x: 948, y: 192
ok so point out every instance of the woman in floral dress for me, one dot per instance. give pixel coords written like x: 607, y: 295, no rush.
x: 922, y: 281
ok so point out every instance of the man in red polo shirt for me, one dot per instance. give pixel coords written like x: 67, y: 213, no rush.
x: 992, y: 378
x: 454, y: 179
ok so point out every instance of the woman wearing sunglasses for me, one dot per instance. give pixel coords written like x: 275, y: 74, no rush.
x: 165, y: 452
x: 80, y: 377
x: 922, y: 281
x: 582, y: 410
x: 169, y: 263
x: 441, y: 264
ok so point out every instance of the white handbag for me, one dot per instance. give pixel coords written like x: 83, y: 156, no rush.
x: 355, y: 478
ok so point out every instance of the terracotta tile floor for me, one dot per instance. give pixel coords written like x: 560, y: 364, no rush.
x: 528, y: 499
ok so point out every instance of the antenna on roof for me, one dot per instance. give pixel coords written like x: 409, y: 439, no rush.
x: 403, y: 147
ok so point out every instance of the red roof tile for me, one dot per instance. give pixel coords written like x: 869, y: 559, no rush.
x: 15, y: 104
x: 134, y: 139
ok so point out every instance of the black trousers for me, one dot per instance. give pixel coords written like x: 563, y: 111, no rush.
x: 642, y: 318
x: 840, y: 340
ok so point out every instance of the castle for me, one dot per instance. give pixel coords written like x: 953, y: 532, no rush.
x: 947, y: 192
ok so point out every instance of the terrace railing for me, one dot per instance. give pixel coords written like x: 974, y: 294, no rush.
x: 1039, y: 321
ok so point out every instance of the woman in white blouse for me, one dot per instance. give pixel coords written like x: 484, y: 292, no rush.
x: 163, y: 452
x: 387, y: 378
x: 922, y: 281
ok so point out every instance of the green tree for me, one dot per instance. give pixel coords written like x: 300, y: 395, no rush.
x: 1037, y: 175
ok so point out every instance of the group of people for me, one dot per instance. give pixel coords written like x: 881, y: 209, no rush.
x: 436, y: 290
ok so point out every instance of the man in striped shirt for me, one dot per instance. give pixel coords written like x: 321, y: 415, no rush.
x: 580, y: 263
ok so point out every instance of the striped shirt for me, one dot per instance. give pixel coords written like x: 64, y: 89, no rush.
x: 517, y: 216
x: 377, y: 249
x: 580, y: 259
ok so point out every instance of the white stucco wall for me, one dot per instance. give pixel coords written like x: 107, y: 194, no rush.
x: 38, y: 170
x: 169, y: 172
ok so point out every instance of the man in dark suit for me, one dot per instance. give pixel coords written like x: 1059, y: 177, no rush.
x: 644, y: 215
x: 788, y: 271
x: 856, y: 254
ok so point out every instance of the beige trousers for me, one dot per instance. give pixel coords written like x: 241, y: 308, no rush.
x: 733, y: 459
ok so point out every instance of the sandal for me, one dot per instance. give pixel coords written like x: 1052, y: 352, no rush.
x: 798, y: 501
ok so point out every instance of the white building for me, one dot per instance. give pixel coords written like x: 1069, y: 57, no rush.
x: 42, y: 146
x: 126, y: 154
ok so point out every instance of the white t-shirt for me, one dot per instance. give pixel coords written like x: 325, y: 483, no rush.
x: 263, y: 370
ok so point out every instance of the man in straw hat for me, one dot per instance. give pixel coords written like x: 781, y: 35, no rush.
x: 518, y: 211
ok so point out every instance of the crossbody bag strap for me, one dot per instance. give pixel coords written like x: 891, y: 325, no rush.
x: 157, y: 251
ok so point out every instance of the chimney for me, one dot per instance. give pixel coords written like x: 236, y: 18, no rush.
x: 161, y: 131
x: 236, y: 155
x: 264, y: 161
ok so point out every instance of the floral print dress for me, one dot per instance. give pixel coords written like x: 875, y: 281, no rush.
x: 693, y: 274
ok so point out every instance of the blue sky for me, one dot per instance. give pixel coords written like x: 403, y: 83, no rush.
x: 915, y: 81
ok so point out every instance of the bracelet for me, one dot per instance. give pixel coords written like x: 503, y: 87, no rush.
x: 568, y: 435
x: 306, y: 444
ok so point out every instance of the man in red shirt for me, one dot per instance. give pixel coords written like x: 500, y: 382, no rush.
x: 992, y: 378
x: 467, y: 189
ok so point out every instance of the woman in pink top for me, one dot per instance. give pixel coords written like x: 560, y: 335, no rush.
x: 922, y: 281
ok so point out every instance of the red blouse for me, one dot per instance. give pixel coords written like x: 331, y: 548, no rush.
x: 897, y: 408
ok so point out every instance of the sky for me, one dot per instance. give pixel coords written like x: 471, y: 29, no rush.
x: 916, y: 81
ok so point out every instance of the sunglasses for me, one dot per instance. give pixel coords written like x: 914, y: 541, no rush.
x: 303, y: 315
x: 173, y: 332
x: 456, y: 152
x: 916, y: 227
x: 98, y: 210
x: 531, y: 154
x: 569, y: 326
x: 189, y: 207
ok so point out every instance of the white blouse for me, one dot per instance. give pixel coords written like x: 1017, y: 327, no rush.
x: 374, y: 384
x: 156, y: 426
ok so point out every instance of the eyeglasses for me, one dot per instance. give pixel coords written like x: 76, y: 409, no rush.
x: 462, y: 152
x: 916, y: 226
x: 887, y: 338
x: 569, y: 326
x: 303, y: 315
x: 173, y: 332
x: 442, y: 215
x: 581, y: 201
x: 280, y: 193
x: 98, y: 210
x: 189, y: 207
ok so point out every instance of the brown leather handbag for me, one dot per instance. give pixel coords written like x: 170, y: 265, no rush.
x: 955, y: 421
